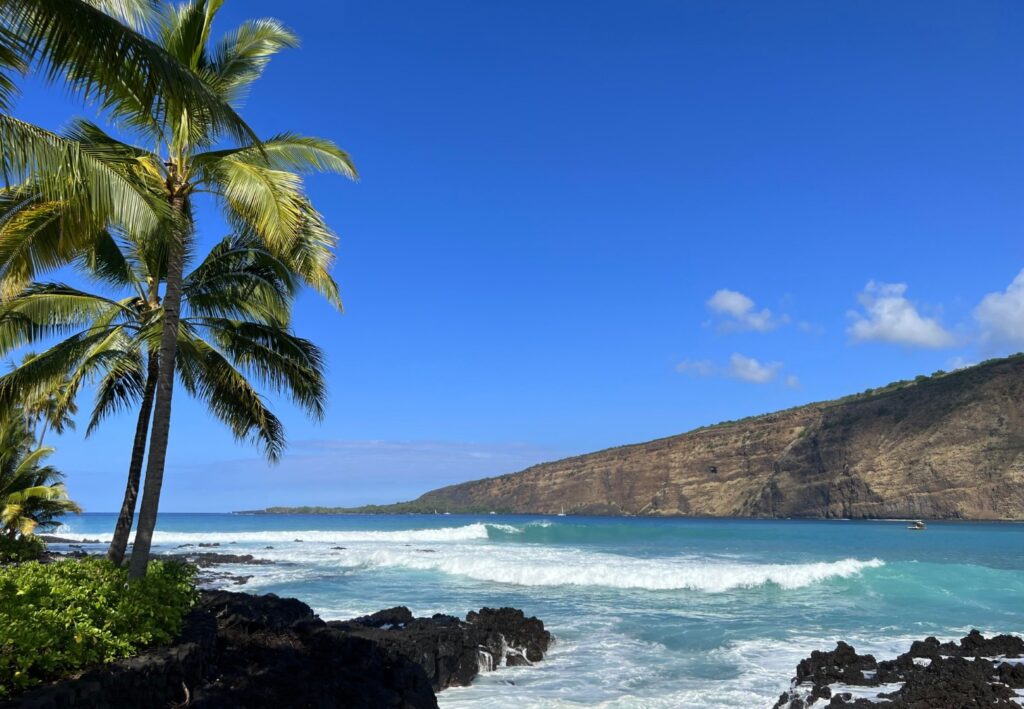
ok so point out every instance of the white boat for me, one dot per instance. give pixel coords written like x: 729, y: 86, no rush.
x: 562, y: 513
x: 917, y: 526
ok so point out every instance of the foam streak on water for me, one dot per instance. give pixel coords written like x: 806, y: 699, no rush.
x: 647, y: 613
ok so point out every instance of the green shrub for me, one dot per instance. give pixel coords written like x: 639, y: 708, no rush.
x: 65, y: 616
x: 26, y: 548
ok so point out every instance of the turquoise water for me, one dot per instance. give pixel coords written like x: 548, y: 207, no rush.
x: 647, y: 612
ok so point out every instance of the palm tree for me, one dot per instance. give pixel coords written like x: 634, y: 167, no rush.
x: 31, y: 493
x: 235, y: 327
x: 257, y: 184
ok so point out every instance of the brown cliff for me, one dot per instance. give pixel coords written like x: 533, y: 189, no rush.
x: 946, y: 446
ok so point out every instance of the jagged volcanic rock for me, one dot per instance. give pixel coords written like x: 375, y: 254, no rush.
x: 452, y: 651
x: 971, y: 674
x: 266, y: 652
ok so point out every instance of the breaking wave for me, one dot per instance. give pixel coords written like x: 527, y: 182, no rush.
x: 466, y: 533
x: 537, y: 567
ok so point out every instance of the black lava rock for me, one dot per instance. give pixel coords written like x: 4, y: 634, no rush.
x: 932, y: 675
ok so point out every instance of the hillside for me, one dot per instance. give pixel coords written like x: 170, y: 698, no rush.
x: 945, y: 446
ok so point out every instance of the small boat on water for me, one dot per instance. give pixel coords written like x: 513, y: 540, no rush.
x: 916, y: 526
x: 562, y: 513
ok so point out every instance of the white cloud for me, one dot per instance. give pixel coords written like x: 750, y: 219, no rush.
x: 959, y: 362
x: 750, y: 370
x: 740, y: 367
x: 701, y: 368
x: 741, y: 313
x: 1001, y: 314
x: 889, y: 317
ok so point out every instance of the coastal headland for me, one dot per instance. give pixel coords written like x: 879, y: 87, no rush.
x: 945, y: 446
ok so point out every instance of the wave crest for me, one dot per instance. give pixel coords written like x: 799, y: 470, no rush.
x: 538, y: 567
x: 465, y: 533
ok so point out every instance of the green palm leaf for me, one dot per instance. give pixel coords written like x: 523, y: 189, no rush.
x: 97, y: 54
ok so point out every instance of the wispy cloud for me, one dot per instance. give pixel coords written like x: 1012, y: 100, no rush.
x: 888, y: 316
x: 741, y: 367
x: 751, y: 370
x: 739, y: 312
x: 1000, y: 315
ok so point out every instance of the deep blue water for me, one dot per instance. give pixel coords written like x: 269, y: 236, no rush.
x: 647, y: 612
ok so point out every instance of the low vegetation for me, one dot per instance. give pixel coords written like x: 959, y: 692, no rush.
x: 20, y: 548
x: 59, y: 618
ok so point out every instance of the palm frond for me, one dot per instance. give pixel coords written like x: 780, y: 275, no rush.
x: 119, y: 389
x: 241, y: 56
x: 238, y: 279
x: 34, y: 239
x: 268, y: 201
x: 47, y: 371
x: 51, y: 309
x: 137, y: 14
x: 276, y: 357
x: 107, y: 262
x: 210, y: 377
x: 93, y: 193
x: 12, y: 63
x: 96, y: 54
x: 290, y: 152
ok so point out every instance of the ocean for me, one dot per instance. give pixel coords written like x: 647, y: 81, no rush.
x: 646, y: 612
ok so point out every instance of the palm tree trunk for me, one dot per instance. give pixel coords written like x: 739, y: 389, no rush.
x: 164, y: 391
x: 131, y: 491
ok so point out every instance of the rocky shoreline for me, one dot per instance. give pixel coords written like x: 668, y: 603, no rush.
x: 241, y: 650
x: 976, y: 673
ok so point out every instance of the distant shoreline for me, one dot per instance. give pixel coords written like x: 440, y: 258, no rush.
x: 356, y: 512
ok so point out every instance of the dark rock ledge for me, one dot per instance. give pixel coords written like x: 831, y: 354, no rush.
x: 975, y: 673
x: 239, y: 650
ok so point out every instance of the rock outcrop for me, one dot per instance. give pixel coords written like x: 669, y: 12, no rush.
x: 976, y: 673
x: 240, y: 650
x: 945, y: 446
x: 452, y: 651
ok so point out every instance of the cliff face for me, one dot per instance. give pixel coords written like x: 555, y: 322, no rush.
x: 949, y: 446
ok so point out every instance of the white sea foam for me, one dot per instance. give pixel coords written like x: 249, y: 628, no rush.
x: 458, y: 551
x: 466, y: 533
x: 559, y: 567
x: 507, y: 528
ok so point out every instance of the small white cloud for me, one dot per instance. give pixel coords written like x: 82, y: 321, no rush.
x: 741, y: 313
x: 740, y: 367
x: 700, y: 368
x: 750, y: 370
x: 959, y: 362
x: 889, y: 317
x: 1001, y: 314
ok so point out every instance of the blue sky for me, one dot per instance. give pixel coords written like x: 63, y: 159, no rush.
x: 587, y: 224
